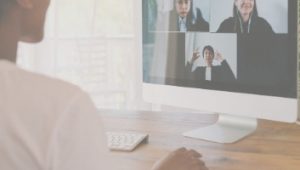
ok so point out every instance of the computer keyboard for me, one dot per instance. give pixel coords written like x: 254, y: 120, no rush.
x: 125, y: 141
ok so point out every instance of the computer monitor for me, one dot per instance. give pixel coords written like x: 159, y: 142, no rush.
x: 235, y: 58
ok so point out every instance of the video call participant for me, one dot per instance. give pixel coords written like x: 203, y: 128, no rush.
x: 210, y: 72
x: 245, y: 20
x: 183, y: 19
x: 46, y: 123
x: 259, y: 49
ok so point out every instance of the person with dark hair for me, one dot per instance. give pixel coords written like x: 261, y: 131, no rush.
x: 183, y: 19
x: 259, y: 49
x: 220, y: 73
x: 245, y: 20
x: 46, y: 123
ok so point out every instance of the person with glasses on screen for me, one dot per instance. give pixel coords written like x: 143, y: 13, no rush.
x: 245, y: 20
x: 183, y: 19
x: 210, y: 72
x: 46, y: 123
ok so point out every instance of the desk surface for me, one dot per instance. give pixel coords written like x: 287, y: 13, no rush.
x: 274, y: 146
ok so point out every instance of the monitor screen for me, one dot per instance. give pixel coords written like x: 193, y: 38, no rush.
x: 230, y: 45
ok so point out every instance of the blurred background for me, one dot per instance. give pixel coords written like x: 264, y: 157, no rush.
x: 93, y: 44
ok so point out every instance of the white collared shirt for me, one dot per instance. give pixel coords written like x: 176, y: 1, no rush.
x: 208, y: 73
x: 182, y: 24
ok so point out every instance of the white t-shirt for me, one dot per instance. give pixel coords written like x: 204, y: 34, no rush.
x: 47, y: 124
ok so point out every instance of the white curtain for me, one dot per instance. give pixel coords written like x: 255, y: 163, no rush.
x: 94, y: 44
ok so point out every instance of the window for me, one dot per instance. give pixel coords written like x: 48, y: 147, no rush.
x: 90, y: 43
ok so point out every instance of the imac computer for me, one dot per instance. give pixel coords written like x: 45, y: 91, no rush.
x: 236, y: 58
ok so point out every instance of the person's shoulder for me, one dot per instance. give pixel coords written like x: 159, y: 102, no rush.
x: 224, y: 62
x: 46, y: 85
x: 200, y: 69
x: 36, y: 95
x: 262, y: 21
x: 263, y: 24
x: 227, y: 25
x: 229, y: 20
x: 201, y: 23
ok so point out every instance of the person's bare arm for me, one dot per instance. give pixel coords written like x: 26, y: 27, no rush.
x: 181, y: 159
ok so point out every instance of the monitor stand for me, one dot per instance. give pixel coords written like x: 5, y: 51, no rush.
x: 228, y: 129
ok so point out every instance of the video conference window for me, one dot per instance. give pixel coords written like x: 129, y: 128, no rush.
x: 181, y: 15
x: 247, y: 46
x: 260, y: 16
x: 211, y: 57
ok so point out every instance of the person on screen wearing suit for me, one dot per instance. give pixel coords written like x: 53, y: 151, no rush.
x: 245, y: 20
x: 183, y: 19
x: 220, y: 73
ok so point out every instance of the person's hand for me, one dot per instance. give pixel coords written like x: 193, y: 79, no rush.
x: 181, y: 159
x: 196, y: 55
x: 219, y: 56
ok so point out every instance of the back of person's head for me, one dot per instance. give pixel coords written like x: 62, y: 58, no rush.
x: 26, y: 17
x: 210, y: 49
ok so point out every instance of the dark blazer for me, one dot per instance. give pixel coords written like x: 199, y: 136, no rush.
x: 260, y: 53
x: 258, y: 26
x: 221, y: 73
x: 193, y: 23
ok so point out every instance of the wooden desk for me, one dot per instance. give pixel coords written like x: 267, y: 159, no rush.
x: 274, y: 146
